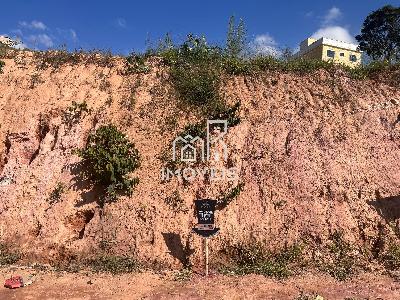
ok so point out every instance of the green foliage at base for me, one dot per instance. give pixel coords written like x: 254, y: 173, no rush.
x: 109, y: 157
x: 253, y: 259
x: 114, y: 264
x: 8, y: 257
x: 343, y: 264
x: 391, y: 258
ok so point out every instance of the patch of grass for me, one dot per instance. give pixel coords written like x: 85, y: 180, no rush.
x: 343, y: 264
x: 8, y: 257
x: 58, y: 58
x: 56, y: 193
x: 253, y: 259
x: 183, y: 275
x: 108, y: 158
x: 114, y: 264
x: 391, y: 258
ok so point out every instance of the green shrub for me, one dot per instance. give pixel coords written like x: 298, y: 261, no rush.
x: 8, y: 257
x: 114, y: 264
x: 109, y: 157
x: 2, y: 64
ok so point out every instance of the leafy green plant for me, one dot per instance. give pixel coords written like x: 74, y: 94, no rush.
x: 114, y: 264
x: 8, y: 257
x: 109, y: 157
x: 56, y: 193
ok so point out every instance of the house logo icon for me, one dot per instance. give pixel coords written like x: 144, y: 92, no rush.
x: 194, y: 149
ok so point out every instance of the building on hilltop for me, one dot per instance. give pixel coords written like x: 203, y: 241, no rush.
x: 330, y: 50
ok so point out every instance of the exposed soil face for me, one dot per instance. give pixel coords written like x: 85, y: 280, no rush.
x: 155, y: 286
x: 317, y: 153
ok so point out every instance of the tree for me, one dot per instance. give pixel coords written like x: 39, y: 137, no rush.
x: 380, y: 34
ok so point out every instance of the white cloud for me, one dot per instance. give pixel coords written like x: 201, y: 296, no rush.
x: 74, y: 36
x: 334, y: 32
x: 38, y: 25
x: 265, y: 44
x: 331, y: 16
x: 41, y: 39
x: 121, y: 22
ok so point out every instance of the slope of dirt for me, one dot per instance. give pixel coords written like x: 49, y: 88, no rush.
x: 317, y: 153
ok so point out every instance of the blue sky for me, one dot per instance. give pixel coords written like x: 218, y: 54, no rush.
x: 122, y: 26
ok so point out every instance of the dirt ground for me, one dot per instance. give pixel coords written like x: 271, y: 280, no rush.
x: 148, y: 285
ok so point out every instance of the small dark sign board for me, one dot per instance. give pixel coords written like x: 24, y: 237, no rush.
x: 205, y: 209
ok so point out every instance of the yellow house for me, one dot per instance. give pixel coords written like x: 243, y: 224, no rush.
x: 330, y: 50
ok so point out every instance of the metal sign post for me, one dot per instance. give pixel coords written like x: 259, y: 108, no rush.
x: 205, y: 209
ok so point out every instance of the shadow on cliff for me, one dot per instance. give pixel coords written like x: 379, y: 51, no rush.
x: 176, y: 248
x: 388, y: 207
x: 89, y: 192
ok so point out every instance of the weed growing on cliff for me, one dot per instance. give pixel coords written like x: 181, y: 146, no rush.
x: 176, y: 202
x: 109, y: 157
x: 114, y: 264
x: 8, y: 257
x: 2, y: 64
x: 253, y: 259
x: 231, y: 195
x: 75, y: 112
x: 56, y: 193
x: 35, y: 80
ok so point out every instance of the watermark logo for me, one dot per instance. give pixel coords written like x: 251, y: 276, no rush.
x: 188, y: 149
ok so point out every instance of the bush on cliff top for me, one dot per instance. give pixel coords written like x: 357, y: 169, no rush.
x: 108, y: 158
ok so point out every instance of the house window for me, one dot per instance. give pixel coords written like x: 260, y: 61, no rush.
x: 353, y: 58
x: 330, y: 53
x: 341, y: 54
